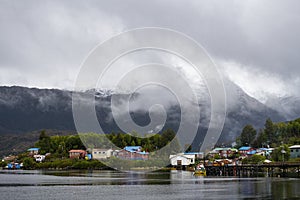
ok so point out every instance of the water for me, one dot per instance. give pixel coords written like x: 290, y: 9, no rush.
x: 72, y: 185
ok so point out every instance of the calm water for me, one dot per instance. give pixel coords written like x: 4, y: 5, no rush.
x: 71, y: 185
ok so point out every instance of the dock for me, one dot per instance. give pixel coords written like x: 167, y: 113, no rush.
x: 278, y: 169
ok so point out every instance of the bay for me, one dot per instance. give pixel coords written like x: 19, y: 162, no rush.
x: 70, y: 185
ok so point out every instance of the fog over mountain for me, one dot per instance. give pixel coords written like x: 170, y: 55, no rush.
x: 288, y: 106
x: 28, y: 109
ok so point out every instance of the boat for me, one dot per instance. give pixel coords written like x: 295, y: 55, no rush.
x: 200, y: 170
x: 14, y: 165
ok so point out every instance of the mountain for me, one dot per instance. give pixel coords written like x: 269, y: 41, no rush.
x: 288, y: 106
x: 24, y: 110
x: 28, y: 109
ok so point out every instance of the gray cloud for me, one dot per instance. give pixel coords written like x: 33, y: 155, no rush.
x: 44, y: 43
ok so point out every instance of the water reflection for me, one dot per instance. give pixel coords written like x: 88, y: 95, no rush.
x: 176, y: 185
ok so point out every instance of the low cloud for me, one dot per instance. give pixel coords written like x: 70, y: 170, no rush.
x: 258, y: 83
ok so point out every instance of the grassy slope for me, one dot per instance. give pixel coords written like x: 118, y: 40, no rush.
x: 17, y: 143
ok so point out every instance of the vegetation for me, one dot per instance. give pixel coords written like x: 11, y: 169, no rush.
x: 3, y: 164
x: 29, y: 163
x: 255, y: 159
x: 272, y: 135
x: 150, y: 143
x: 276, y: 135
x: 281, y: 153
x: 247, y: 136
x: 57, y: 148
x: 71, y: 164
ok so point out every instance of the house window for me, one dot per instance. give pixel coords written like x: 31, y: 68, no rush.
x: 292, y: 150
x: 103, y: 152
x: 297, y: 150
x: 192, y: 160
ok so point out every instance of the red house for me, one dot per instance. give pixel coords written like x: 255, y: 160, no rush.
x: 77, y: 153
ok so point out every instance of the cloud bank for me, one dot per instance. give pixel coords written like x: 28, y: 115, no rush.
x: 255, y: 44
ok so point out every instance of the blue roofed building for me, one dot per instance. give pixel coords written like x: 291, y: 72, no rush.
x: 133, y: 153
x: 264, y: 151
x: 244, y: 150
x: 133, y: 148
x: 33, y: 151
x: 252, y: 152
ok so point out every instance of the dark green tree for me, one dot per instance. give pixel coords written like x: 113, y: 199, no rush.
x: 44, y: 143
x: 261, y: 140
x: 270, y: 131
x: 29, y: 163
x: 248, y: 135
x: 167, y: 136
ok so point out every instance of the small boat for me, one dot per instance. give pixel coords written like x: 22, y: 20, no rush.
x: 14, y: 165
x: 200, y: 170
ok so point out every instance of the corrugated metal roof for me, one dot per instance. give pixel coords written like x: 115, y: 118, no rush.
x: 132, y: 148
x: 33, y: 149
x: 193, y: 153
x: 252, y: 152
x: 142, y: 152
x: 263, y: 149
x: 295, y: 147
x: 244, y: 148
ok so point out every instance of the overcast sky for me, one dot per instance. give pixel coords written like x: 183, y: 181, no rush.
x: 254, y: 43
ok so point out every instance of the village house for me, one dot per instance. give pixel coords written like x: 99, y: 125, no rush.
x: 264, y: 152
x: 133, y: 153
x: 102, y: 153
x: 252, y: 152
x: 39, y: 158
x: 182, y: 159
x: 9, y: 158
x: 295, y: 151
x: 246, y: 151
x: 77, y: 153
x: 33, y: 151
x: 223, y: 152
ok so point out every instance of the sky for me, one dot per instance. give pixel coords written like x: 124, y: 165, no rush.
x: 253, y: 43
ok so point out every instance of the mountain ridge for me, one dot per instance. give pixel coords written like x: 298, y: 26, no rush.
x: 25, y: 109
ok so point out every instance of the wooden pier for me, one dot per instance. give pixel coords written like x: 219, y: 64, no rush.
x: 256, y: 170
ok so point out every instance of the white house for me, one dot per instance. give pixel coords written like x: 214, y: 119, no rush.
x: 182, y: 159
x: 102, y: 153
x: 295, y: 151
x: 39, y: 158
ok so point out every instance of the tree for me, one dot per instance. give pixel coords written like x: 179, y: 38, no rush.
x: 167, y: 136
x: 28, y: 163
x: 248, y: 135
x: 255, y: 159
x: 261, y: 140
x: 270, y: 131
x: 281, y: 153
x: 3, y: 164
x: 44, y: 142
